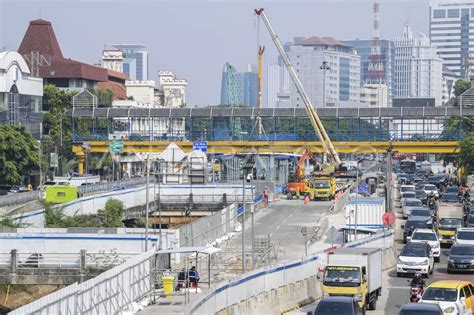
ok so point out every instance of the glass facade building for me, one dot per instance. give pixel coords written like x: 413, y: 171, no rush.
x: 239, y: 88
x: 451, y: 29
x: 363, y: 48
x: 135, y: 61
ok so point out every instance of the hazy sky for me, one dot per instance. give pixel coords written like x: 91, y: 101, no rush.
x: 196, y: 37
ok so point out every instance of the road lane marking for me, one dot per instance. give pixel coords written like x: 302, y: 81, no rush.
x: 278, y: 227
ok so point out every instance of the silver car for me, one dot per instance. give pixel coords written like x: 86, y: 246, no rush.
x: 409, y: 203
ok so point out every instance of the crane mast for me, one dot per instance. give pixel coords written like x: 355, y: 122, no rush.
x: 313, y: 116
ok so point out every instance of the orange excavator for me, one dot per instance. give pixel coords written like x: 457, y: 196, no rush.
x: 299, y: 184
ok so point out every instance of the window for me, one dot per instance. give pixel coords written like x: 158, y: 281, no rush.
x: 467, y: 291
x: 461, y: 293
x: 453, y: 13
x: 439, y: 14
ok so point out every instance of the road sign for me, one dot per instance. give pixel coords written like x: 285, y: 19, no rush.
x: 332, y: 235
x: 200, y: 146
x: 389, y: 218
x: 53, y: 160
x: 116, y: 147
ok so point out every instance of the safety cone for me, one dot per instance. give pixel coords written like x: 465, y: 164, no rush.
x: 306, y: 199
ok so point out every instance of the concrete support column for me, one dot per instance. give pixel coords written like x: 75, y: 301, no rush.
x: 14, y: 260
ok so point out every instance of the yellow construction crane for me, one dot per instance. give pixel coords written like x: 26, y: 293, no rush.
x: 313, y: 116
x: 261, y: 50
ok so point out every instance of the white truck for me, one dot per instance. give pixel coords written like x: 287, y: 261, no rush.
x: 355, y: 272
x: 365, y: 212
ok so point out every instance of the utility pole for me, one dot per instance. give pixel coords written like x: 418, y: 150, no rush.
x: 388, y: 183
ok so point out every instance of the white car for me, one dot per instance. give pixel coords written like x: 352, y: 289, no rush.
x: 430, y: 237
x: 404, y: 188
x: 465, y: 236
x: 415, y: 258
x: 431, y: 189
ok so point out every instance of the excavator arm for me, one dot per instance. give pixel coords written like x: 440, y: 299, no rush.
x: 313, y: 116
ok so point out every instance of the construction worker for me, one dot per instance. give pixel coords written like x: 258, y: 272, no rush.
x: 298, y: 194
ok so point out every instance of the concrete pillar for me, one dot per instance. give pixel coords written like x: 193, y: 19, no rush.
x: 82, y: 261
x: 80, y: 162
x: 14, y: 260
x: 191, y: 202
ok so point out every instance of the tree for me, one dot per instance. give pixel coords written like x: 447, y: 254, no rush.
x: 112, y: 213
x: 104, y: 96
x: 18, y: 154
x: 467, y: 152
x: 461, y: 86
x: 56, y: 124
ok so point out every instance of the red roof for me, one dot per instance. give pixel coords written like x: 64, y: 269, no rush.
x: 40, y: 38
x: 326, y: 41
x: 118, y: 88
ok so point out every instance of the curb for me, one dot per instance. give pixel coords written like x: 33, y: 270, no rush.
x: 300, y: 304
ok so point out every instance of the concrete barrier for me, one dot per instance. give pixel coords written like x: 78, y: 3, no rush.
x: 282, y: 286
x: 132, y: 198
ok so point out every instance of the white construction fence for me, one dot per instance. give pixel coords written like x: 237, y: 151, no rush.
x: 269, y: 278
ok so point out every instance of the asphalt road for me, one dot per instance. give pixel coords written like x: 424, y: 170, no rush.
x: 398, y: 287
x: 283, y: 221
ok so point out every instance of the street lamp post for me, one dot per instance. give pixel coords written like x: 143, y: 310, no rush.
x: 243, y: 221
x: 324, y: 67
x: 147, y: 200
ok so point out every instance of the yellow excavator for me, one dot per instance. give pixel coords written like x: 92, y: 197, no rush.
x: 333, y: 160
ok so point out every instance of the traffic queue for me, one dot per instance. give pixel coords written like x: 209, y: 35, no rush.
x: 439, y: 221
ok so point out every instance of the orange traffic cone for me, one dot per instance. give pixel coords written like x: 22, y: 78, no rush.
x: 306, y: 199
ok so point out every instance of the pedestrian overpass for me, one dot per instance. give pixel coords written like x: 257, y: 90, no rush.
x: 286, y: 130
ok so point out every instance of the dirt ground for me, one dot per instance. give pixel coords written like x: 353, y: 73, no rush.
x: 20, y: 295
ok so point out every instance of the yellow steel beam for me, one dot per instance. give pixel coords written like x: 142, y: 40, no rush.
x: 229, y: 147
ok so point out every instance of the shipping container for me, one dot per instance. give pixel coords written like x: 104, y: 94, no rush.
x: 365, y: 212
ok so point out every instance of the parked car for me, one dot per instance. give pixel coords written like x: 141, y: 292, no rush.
x: 411, y: 225
x: 415, y: 258
x: 449, y: 197
x: 409, y: 203
x: 430, y: 237
x: 464, y: 236
x: 461, y: 258
x: 420, y: 309
x: 338, y: 305
x: 450, y: 295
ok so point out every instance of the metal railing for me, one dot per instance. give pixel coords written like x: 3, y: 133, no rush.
x: 109, y: 293
x: 18, y: 198
x: 102, y: 260
x: 21, y: 198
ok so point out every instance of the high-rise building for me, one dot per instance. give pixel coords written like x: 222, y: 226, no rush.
x: 239, y: 88
x: 374, y: 94
x: 451, y: 26
x: 363, y: 48
x: 135, y: 61
x: 338, y: 81
x: 419, y: 70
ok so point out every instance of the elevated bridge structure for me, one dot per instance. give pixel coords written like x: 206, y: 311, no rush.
x: 286, y: 130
